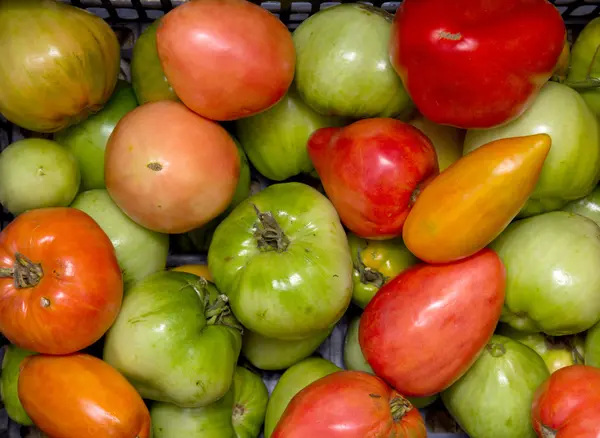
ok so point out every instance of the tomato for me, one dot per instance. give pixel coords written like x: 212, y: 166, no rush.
x: 474, y: 200
x: 79, y: 396
x: 588, y: 206
x: 447, y: 140
x: 350, y: 404
x: 283, y: 260
x: 475, y: 63
x: 437, y: 319
x: 375, y: 263
x: 175, y: 178
x: 566, y: 405
x: 592, y: 346
x: 493, y: 398
x: 372, y: 171
x: 250, y: 397
x: 60, y: 283
x: 175, y: 339
x: 584, y: 63
x: 9, y: 384
x: 292, y: 381
x: 253, y: 54
x: 199, y: 270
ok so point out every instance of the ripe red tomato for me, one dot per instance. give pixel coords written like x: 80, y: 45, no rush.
x: 60, y: 283
x: 425, y: 328
x: 349, y: 404
x: 226, y: 59
x: 169, y: 169
x: 567, y: 404
x: 80, y: 396
x: 372, y: 171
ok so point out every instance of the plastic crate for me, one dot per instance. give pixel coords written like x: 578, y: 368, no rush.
x: 130, y: 17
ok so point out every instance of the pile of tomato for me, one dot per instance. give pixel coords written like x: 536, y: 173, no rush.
x: 432, y: 176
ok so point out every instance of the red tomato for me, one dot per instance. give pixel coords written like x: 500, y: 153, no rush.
x: 349, y: 404
x: 60, y: 284
x: 372, y: 171
x: 226, y: 59
x: 169, y: 169
x: 475, y: 63
x: 567, y: 404
x: 80, y: 396
x: 425, y: 328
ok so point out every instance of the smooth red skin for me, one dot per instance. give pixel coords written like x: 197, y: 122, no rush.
x: 80, y: 396
x: 347, y: 404
x: 425, y: 328
x: 82, y: 280
x: 569, y: 403
x: 226, y: 59
x: 491, y: 75
x: 370, y: 170
x: 200, y: 167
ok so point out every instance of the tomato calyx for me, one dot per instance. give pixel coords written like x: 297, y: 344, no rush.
x: 496, y: 349
x: 547, y: 432
x: 369, y: 275
x: 268, y: 233
x: 217, y: 311
x: 399, y: 406
x: 24, y: 272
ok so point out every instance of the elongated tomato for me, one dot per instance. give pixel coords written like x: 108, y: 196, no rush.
x: 469, y: 204
x: 80, y: 396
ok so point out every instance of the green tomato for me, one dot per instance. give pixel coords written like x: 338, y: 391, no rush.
x: 147, y: 76
x: 275, y: 140
x: 585, y: 63
x: 283, y: 260
x: 294, y: 380
x: 343, y: 66
x: 592, y: 346
x: 375, y: 263
x: 175, y: 340
x: 140, y: 252
x: 37, y: 173
x: 572, y: 168
x: 87, y: 140
x: 493, y: 399
x: 553, y: 280
x: 355, y: 360
x: 276, y: 354
x: 9, y: 382
x: 557, y: 352
x: 588, y: 206
x: 250, y: 398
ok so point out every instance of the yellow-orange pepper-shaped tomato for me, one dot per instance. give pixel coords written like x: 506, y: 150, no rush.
x: 469, y: 204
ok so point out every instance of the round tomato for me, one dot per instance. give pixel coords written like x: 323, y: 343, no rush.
x: 226, y: 59
x: 60, y: 283
x: 169, y: 169
x: 80, y: 396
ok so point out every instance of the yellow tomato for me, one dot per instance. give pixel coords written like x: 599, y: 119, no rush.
x: 199, y: 270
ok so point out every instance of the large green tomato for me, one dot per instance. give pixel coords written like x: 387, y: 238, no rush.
x: 355, y: 360
x: 275, y: 139
x: 588, y: 206
x: 343, y: 65
x: 277, y: 354
x: 147, y: 76
x: 175, y: 340
x: 9, y: 382
x: 592, y: 346
x: 37, y: 173
x: 572, y: 168
x: 493, y: 399
x: 557, y: 352
x: 553, y: 280
x: 283, y: 260
x: 585, y: 63
x: 294, y: 380
x: 87, y: 140
x: 140, y: 252
x: 239, y: 414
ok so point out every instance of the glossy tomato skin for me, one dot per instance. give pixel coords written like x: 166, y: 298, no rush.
x: 349, y: 404
x: 80, y: 290
x: 169, y: 169
x: 437, y: 319
x: 566, y: 405
x: 371, y: 171
x: 80, y: 396
x: 487, y: 62
x: 226, y: 59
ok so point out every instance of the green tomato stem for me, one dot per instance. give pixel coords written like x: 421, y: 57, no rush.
x: 24, y: 272
x: 399, y: 407
x: 547, y: 432
x: 218, y: 311
x: 268, y: 233
x: 495, y: 349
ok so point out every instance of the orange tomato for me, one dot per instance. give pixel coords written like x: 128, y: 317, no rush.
x: 80, y: 396
x: 199, y: 270
x: 469, y: 204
